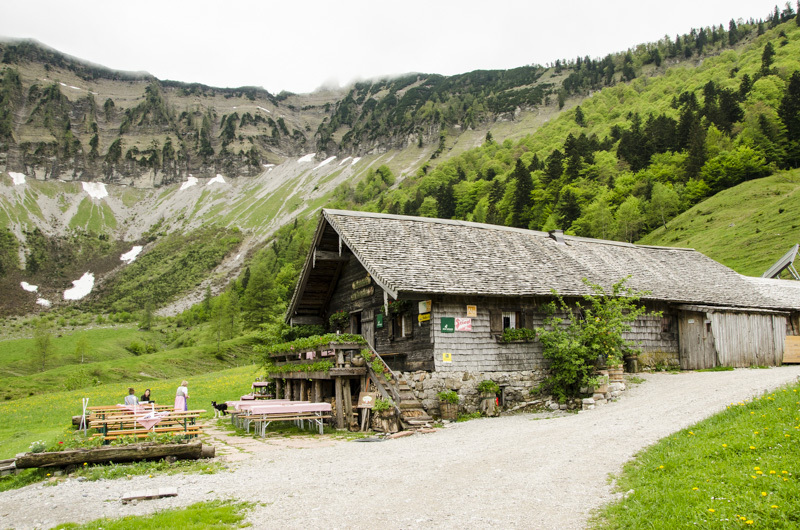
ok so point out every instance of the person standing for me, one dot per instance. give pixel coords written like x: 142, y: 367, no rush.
x: 182, y: 396
x: 130, y: 399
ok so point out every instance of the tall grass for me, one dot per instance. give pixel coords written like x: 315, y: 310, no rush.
x: 737, y: 469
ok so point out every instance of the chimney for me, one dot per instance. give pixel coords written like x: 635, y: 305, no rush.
x: 558, y: 236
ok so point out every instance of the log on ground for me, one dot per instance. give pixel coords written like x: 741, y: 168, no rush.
x: 115, y: 453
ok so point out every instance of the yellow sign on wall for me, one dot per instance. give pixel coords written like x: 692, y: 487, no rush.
x: 447, y: 357
x: 472, y: 311
x: 423, y: 318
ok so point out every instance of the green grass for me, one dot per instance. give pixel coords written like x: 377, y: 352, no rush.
x: 737, y: 469
x: 747, y: 227
x: 205, y: 515
x: 44, y: 417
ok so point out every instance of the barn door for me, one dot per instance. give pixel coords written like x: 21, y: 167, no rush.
x: 696, y: 341
x: 368, y: 326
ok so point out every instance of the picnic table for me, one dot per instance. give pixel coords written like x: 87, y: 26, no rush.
x: 262, y: 414
x: 111, y: 422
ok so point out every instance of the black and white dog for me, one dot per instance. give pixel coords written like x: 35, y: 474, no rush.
x: 219, y: 410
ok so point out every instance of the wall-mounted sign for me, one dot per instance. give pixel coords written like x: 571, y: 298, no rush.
x: 362, y: 293
x: 425, y: 306
x: 363, y: 282
x: 463, y: 324
x: 448, y: 325
x: 423, y: 318
x: 472, y: 311
x: 379, y: 320
x: 447, y: 357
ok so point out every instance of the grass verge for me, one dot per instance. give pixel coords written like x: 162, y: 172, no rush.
x: 736, y: 469
x: 206, y: 515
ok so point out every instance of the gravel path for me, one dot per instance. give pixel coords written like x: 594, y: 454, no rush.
x: 518, y: 471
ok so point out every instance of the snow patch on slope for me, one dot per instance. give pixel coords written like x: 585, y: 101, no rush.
x: 218, y: 179
x: 18, y: 178
x: 81, y: 287
x: 308, y: 158
x: 28, y: 287
x: 130, y: 256
x: 191, y: 181
x: 96, y: 190
x: 326, y: 162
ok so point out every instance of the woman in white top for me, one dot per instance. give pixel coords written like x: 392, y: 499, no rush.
x: 130, y: 399
x: 182, y: 396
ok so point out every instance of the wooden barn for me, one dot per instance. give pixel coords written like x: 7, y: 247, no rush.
x: 433, y: 297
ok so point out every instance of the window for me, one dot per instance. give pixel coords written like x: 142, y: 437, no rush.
x: 402, y: 325
x: 511, y: 320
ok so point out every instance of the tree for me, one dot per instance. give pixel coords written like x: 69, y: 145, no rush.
x: 520, y: 213
x: 147, y: 316
x: 579, y: 117
x: 789, y: 113
x: 630, y: 219
x: 82, y: 347
x: 42, y: 342
x: 767, y: 57
x: 429, y: 207
x: 664, y: 203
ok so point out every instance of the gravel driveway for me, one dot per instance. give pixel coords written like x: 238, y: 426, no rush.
x: 517, y: 472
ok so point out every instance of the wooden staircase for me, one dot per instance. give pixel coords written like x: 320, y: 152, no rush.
x: 392, y: 385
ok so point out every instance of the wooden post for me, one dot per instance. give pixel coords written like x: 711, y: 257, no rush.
x: 302, y: 390
x: 339, y: 398
x: 348, y: 403
x: 317, y: 391
x: 288, y: 389
x: 278, y: 388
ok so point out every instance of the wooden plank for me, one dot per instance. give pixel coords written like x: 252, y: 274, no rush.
x: 791, y: 349
x: 151, y: 494
x: 122, y: 453
x: 339, y: 409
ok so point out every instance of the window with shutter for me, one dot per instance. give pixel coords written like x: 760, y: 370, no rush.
x: 495, y: 321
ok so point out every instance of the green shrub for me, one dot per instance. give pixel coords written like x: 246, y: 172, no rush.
x: 382, y: 405
x: 488, y: 387
x: 448, y: 396
x: 515, y: 334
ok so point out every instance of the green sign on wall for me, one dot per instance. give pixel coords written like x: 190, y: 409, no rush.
x: 379, y: 320
x: 448, y: 325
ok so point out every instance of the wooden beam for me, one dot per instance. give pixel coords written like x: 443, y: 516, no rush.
x: 325, y: 255
x: 339, y: 407
x: 307, y: 320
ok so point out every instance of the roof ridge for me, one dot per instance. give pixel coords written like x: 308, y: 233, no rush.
x: 487, y: 226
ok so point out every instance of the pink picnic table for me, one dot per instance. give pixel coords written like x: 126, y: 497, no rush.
x: 313, y: 412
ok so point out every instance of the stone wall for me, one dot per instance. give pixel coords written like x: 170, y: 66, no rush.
x: 515, y: 387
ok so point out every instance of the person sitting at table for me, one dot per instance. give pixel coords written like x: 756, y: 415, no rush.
x: 146, y: 397
x: 130, y: 399
x: 182, y: 396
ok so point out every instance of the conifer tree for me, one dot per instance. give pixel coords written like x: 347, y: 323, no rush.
x: 766, y: 59
x: 520, y: 213
x: 789, y: 113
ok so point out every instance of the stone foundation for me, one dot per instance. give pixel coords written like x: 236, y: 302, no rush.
x: 515, y: 387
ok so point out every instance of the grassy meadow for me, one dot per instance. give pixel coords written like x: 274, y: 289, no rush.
x: 47, y: 416
x: 746, y: 228
x: 737, y: 469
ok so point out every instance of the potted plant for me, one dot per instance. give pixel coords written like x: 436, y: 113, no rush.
x: 488, y: 390
x: 448, y: 404
x: 384, y: 411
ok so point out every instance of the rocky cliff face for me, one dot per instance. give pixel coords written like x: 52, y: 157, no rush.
x: 63, y: 119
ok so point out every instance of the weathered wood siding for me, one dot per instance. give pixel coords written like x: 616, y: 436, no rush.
x: 401, y: 353
x: 478, y: 350
x: 697, y: 348
x: 746, y: 339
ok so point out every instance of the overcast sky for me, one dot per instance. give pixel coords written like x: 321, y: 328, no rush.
x: 299, y: 45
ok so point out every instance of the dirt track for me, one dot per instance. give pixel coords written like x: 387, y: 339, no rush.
x: 517, y: 471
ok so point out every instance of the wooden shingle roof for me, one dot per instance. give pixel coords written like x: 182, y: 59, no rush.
x: 413, y: 257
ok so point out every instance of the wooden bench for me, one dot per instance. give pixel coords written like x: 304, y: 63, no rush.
x: 193, y: 430
x: 262, y: 415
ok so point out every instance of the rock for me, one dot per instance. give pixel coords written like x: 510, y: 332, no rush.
x: 553, y: 405
x: 587, y: 401
x: 600, y: 401
x: 598, y: 395
x: 426, y: 430
x: 401, y: 434
x: 615, y: 394
x: 81, y: 479
x: 563, y: 406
